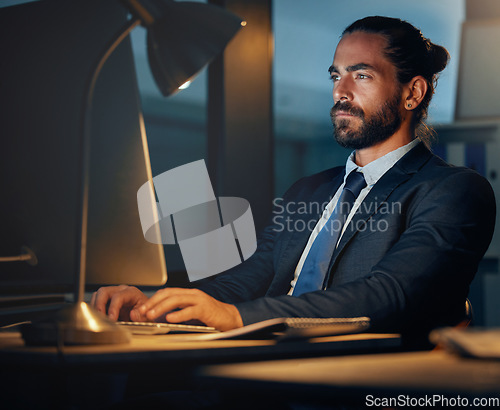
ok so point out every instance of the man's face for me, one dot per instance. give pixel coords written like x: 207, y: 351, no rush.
x: 367, y: 95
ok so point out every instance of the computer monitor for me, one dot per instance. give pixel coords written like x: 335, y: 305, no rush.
x: 47, y: 50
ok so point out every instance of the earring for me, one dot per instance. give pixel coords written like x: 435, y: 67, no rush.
x: 409, y: 105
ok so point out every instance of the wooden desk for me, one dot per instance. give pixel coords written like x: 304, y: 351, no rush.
x: 78, y: 377
x: 144, y: 351
x: 352, y: 378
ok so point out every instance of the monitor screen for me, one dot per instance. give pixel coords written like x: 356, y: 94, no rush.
x: 47, y: 51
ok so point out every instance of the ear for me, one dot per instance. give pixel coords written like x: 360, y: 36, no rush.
x: 414, y: 92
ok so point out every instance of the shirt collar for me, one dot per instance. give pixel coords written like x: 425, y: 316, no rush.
x: 375, y: 169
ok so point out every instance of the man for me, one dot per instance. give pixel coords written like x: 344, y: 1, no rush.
x: 412, y: 241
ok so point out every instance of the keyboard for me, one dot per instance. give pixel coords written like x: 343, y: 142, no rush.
x: 153, y: 328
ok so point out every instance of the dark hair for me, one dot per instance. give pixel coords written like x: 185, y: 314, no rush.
x: 412, y: 54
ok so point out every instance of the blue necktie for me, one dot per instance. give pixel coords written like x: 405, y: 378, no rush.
x: 315, y: 266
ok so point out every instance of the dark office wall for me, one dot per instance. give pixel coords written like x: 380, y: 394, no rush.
x: 240, y: 129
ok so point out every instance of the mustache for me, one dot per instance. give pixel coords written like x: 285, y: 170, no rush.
x: 348, y: 108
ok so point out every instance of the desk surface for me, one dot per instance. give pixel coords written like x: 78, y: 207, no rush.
x: 436, y: 372
x: 144, y: 350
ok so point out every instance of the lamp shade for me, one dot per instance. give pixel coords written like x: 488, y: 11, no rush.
x: 182, y: 37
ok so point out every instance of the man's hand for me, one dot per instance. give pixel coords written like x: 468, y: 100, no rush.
x: 123, y: 302
x: 194, y: 304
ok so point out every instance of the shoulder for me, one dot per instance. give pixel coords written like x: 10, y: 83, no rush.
x: 428, y: 171
x: 443, y: 176
x: 445, y: 192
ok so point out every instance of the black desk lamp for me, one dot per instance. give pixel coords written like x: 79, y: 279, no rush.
x: 182, y: 37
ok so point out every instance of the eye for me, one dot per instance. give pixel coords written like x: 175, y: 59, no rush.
x: 334, y: 77
x: 363, y: 76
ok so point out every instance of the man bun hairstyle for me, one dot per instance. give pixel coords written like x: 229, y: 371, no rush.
x: 412, y: 54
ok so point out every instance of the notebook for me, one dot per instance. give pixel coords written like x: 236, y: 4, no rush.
x: 280, y: 328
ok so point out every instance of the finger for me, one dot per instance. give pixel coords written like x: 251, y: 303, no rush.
x: 153, y: 300
x: 163, y: 294
x: 136, y: 316
x: 116, y: 304
x: 101, y: 299
x: 169, y: 304
x: 93, y: 298
x: 188, y: 313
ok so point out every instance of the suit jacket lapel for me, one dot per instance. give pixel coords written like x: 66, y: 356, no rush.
x: 401, y: 172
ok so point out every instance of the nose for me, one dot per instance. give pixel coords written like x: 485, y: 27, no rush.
x: 342, y: 90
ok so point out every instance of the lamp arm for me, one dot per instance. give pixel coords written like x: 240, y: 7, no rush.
x: 84, y: 160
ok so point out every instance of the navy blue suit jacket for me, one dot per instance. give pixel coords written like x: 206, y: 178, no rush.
x: 406, y: 259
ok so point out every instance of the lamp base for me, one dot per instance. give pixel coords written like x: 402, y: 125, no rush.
x: 77, y: 324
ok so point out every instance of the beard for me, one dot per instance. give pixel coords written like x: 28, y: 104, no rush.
x: 377, y: 128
